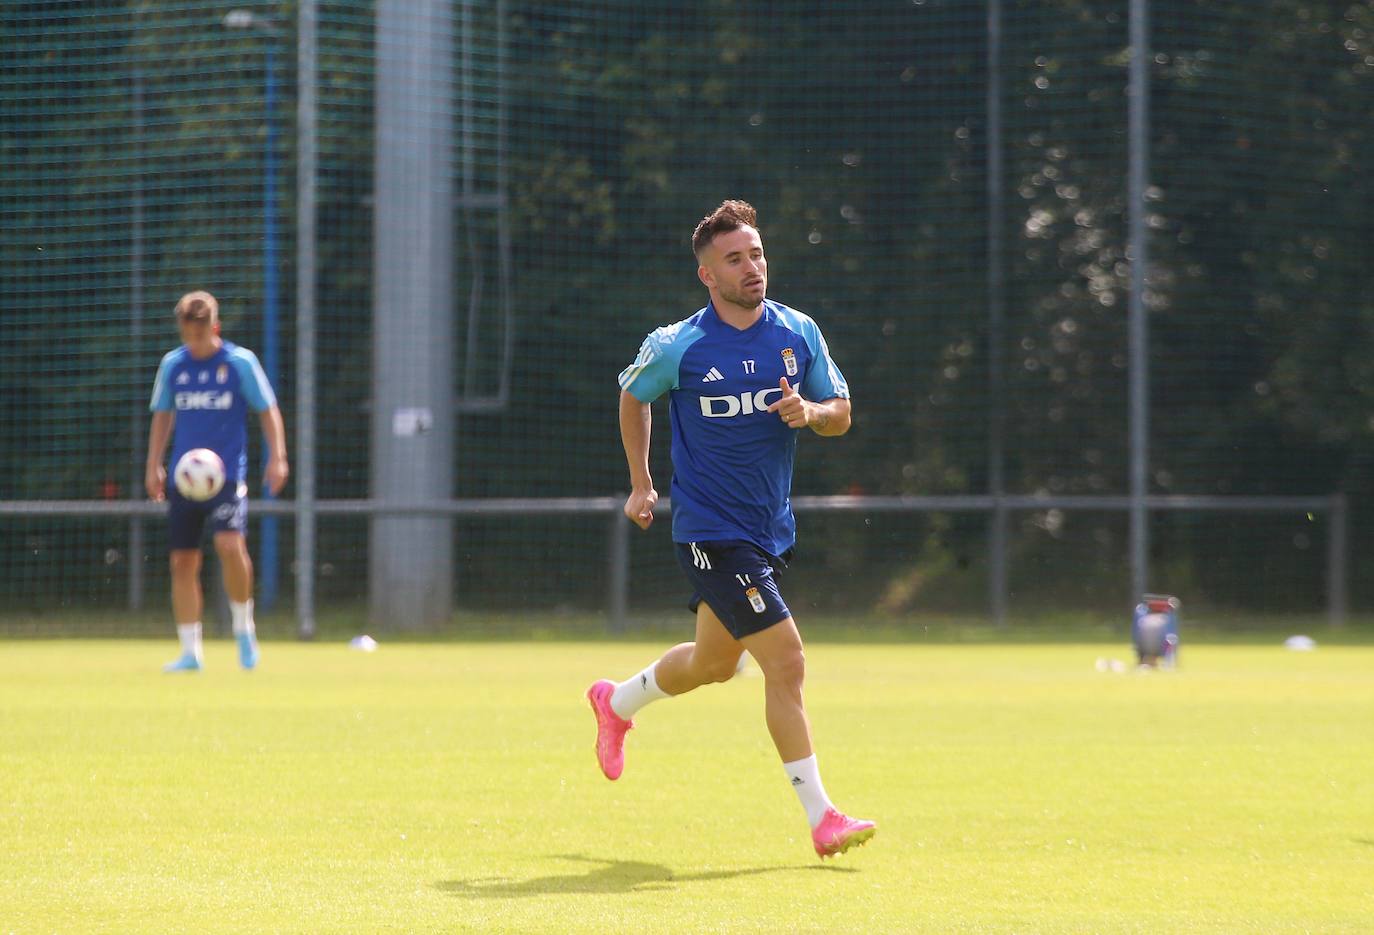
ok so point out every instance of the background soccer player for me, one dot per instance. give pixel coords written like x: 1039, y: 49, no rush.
x: 203, y: 389
x: 743, y: 375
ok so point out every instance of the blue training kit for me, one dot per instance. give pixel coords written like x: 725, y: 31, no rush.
x: 211, y: 398
x: 732, y: 458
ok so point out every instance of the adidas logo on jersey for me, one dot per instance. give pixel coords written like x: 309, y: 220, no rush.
x: 712, y: 376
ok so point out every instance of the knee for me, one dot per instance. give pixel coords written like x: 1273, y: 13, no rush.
x: 230, y: 547
x: 185, y: 562
x: 717, y: 670
x: 787, y: 669
x: 232, y: 552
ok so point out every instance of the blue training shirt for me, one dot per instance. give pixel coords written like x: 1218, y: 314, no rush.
x: 211, y: 398
x: 732, y: 458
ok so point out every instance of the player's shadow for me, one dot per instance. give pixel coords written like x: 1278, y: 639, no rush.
x: 607, y: 876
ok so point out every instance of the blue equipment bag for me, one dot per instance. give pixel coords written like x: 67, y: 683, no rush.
x: 1154, y: 631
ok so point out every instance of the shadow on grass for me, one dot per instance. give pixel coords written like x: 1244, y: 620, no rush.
x: 608, y: 876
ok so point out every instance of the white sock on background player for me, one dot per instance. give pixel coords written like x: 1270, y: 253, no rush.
x: 242, y: 615
x: 634, y: 693
x: 805, y: 777
x: 189, y: 634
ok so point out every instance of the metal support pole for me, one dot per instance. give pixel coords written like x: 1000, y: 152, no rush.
x: 137, y: 417
x: 618, y: 574
x: 411, y: 557
x: 1337, y: 549
x: 306, y: 31
x: 1137, y: 322
x: 268, y: 572
x: 997, y: 300
x: 268, y: 576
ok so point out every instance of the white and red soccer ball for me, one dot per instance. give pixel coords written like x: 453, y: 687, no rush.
x: 199, y: 475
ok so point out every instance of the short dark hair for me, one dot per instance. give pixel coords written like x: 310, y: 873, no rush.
x: 731, y: 215
x: 197, y: 306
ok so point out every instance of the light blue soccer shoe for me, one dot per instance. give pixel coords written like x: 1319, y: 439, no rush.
x: 186, y: 662
x: 248, y: 650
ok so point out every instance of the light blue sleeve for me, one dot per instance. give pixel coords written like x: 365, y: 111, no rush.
x: 655, y: 371
x: 162, y: 385
x: 257, y: 392
x: 823, y: 379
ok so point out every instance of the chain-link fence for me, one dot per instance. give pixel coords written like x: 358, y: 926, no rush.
x: 499, y: 198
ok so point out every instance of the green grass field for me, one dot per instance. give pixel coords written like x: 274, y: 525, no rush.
x: 451, y: 787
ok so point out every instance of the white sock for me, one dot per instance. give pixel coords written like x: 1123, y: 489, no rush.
x: 805, y: 777
x: 189, y: 634
x: 243, y: 617
x: 631, y: 695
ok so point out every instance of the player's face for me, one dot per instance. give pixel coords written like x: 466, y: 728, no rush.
x: 198, y: 335
x: 733, y: 266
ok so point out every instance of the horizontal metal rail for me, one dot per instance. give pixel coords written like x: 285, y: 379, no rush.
x: 618, y: 582
x: 552, y: 506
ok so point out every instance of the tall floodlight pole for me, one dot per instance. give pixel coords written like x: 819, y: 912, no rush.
x: 268, y: 576
x: 411, y: 554
x: 1137, y: 322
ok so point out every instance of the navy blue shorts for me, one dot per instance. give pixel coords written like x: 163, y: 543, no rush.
x: 738, y: 581
x: 227, y: 511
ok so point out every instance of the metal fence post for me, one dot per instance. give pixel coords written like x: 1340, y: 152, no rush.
x: 618, y: 575
x: 1138, y: 312
x: 1336, y: 555
x: 137, y: 417
x: 306, y: 156
x: 997, y: 301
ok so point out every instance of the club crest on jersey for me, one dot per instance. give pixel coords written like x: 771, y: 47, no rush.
x: 222, y: 374
x: 755, y: 600
x: 183, y: 378
x: 789, y: 361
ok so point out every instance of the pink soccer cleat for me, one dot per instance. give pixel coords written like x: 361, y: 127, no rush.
x: 837, y: 833
x: 610, y: 729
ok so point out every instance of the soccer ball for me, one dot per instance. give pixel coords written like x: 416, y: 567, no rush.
x: 199, y: 474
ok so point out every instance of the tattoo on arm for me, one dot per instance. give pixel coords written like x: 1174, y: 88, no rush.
x: 821, y: 420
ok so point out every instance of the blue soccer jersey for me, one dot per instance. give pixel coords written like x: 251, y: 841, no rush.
x: 210, y: 398
x: 732, y: 458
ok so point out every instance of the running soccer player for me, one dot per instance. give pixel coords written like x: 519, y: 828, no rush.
x: 743, y: 375
x: 203, y: 389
